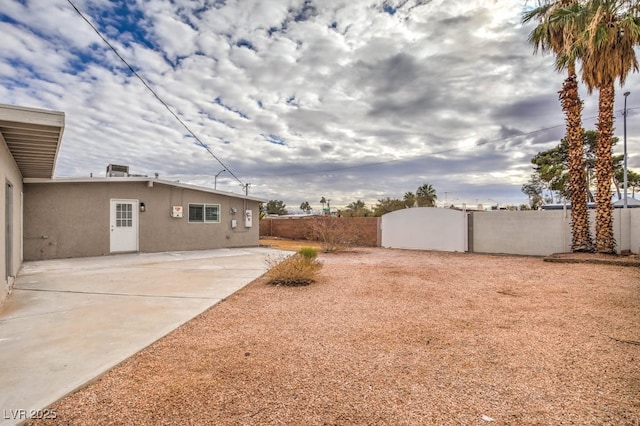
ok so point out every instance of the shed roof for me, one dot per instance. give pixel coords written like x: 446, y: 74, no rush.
x: 33, y: 137
x: 149, y: 181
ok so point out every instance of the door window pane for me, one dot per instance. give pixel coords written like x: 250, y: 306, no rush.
x: 124, y: 215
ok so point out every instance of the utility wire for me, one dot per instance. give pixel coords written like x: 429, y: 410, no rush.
x: 335, y: 169
x: 202, y: 144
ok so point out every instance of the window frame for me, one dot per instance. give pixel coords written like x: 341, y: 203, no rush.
x: 204, y: 207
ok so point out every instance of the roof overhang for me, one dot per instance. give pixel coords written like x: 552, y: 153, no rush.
x: 33, y: 137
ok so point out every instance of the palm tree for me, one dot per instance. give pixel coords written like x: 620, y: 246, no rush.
x: 612, y: 32
x: 557, y: 31
x: 357, y: 208
x: 409, y: 199
x: 426, y: 196
x: 323, y: 201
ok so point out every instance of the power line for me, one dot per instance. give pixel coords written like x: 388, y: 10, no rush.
x: 202, y: 144
x: 335, y: 169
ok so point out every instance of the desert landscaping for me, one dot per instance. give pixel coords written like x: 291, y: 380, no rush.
x: 393, y: 337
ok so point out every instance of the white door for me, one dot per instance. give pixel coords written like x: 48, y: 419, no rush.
x: 124, y: 225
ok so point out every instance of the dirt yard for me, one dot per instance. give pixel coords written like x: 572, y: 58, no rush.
x: 394, y: 337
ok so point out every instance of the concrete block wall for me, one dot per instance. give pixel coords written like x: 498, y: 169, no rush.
x: 541, y: 233
x: 534, y: 233
x: 301, y: 228
x: 634, y: 225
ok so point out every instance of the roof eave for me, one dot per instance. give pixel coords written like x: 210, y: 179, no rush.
x: 30, y: 125
x: 141, y: 179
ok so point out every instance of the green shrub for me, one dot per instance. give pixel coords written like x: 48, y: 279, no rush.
x: 296, y: 270
x: 308, y: 252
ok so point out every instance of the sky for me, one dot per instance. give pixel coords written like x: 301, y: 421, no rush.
x: 301, y: 99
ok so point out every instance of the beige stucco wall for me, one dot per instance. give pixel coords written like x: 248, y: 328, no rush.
x: 9, y: 173
x: 72, y: 219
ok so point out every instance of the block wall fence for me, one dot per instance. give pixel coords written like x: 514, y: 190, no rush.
x: 533, y: 233
x: 301, y: 228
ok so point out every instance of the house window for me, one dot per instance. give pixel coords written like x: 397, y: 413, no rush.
x: 124, y: 215
x: 204, y: 213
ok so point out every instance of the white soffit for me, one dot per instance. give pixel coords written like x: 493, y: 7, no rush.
x: 33, y: 136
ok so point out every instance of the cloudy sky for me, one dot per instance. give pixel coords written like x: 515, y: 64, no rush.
x: 346, y: 99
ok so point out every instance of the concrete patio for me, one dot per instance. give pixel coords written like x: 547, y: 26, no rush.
x: 68, y: 321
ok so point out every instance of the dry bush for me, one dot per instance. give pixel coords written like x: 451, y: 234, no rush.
x: 335, y: 233
x: 297, y: 270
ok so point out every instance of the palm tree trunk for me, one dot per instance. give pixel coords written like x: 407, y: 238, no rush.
x: 572, y: 106
x: 605, y: 243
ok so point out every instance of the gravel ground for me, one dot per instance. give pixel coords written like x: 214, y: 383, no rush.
x: 394, y: 337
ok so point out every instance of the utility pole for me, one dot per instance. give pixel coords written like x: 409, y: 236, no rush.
x: 215, y: 179
x: 626, y: 94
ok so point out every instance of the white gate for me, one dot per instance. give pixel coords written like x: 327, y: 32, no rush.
x: 425, y: 228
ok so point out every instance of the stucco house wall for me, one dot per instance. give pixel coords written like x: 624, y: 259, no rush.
x: 29, y: 144
x: 9, y: 174
x: 72, y: 218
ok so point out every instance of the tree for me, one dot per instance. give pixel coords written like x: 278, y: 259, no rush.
x: 409, y: 199
x: 633, y: 178
x: 323, y: 201
x: 551, y: 167
x: 558, y: 31
x: 305, y: 207
x: 633, y: 182
x: 357, y: 209
x: 608, y: 41
x: 426, y: 196
x: 276, y: 207
x: 534, y: 188
x: 388, y: 205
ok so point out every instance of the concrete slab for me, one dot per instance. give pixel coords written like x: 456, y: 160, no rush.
x: 68, y: 321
